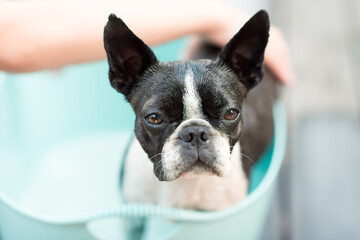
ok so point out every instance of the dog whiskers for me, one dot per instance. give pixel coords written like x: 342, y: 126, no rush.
x: 155, y: 156
x: 249, y: 158
x: 154, y: 179
x: 159, y: 165
x: 228, y: 135
x: 162, y: 174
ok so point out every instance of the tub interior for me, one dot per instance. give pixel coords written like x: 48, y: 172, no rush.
x: 63, y: 134
x: 69, y: 179
x: 55, y: 139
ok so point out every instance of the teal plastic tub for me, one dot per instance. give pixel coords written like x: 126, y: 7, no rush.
x: 62, y: 138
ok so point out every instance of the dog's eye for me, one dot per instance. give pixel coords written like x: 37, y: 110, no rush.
x: 231, y: 114
x: 154, y: 119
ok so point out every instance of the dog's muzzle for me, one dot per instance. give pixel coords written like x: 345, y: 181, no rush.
x: 195, y: 147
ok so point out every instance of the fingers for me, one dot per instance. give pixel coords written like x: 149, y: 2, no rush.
x: 277, y: 57
x: 277, y: 54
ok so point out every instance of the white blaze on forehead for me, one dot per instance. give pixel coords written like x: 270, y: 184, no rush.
x: 191, y: 98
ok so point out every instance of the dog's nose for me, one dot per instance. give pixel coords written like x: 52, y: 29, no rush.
x: 195, y: 134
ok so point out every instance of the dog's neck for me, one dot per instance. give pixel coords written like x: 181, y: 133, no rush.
x: 205, y: 192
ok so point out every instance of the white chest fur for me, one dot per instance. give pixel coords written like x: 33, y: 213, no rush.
x: 204, y: 192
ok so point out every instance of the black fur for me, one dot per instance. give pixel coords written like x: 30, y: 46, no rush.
x: 128, y: 55
x: 244, y: 54
x: 161, y: 90
x: 153, y: 87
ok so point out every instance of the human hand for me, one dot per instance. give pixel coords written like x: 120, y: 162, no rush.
x: 277, y: 54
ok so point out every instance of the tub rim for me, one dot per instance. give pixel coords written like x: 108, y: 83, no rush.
x: 151, y: 210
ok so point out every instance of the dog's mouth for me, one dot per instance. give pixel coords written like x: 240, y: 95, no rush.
x: 199, y: 168
x: 183, y: 159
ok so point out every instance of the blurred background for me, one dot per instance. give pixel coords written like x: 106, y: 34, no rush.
x: 318, y: 194
x: 318, y: 191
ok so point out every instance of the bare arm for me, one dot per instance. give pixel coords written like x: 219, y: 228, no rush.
x: 43, y: 34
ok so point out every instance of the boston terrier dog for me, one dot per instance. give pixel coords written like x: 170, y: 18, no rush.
x: 198, y: 129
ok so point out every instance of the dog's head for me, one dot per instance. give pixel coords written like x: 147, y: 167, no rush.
x: 188, y: 113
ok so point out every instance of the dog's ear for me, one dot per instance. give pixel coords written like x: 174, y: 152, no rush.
x: 128, y: 55
x: 244, y: 53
